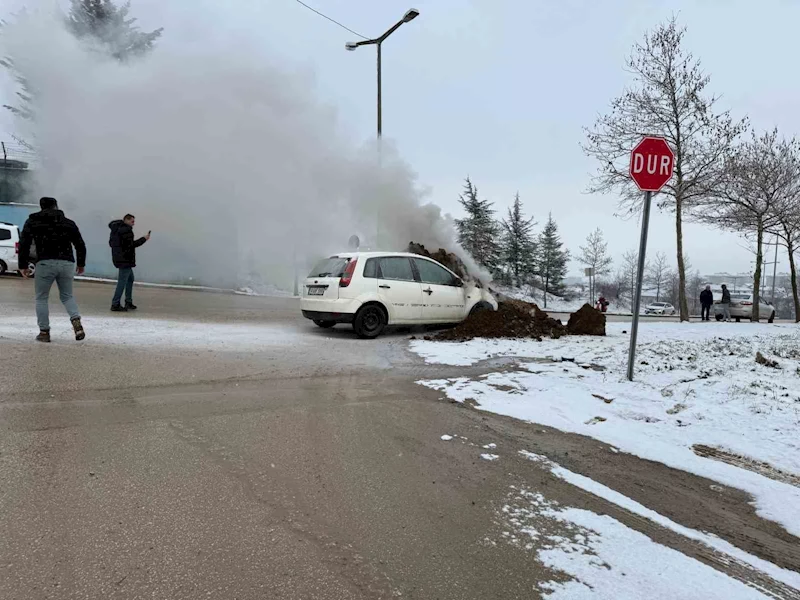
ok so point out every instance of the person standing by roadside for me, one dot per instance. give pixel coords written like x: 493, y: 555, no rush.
x: 123, y: 254
x: 726, y: 303
x: 54, y: 236
x: 706, y: 301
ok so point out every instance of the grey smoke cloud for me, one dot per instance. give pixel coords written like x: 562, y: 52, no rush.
x: 231, y: 161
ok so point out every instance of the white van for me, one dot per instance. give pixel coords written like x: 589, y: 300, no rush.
x: 371, y: 290
x: 9, y: 248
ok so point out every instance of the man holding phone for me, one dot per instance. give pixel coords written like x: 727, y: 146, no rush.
x: 123, y: 254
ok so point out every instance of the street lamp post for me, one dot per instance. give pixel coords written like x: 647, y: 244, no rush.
x: 410, y: 15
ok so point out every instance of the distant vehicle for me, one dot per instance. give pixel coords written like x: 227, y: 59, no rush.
x: 659, y: 308
x: 741, y: 307
x: 9, y: 248
x: 373, y: 290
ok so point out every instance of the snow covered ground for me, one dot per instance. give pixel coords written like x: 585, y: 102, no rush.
x: 700, y: 403
x: 698, y: 391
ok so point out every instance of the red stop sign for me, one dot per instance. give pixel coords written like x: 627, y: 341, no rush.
x: 652, y: 162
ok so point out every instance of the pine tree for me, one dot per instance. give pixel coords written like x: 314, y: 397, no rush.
x: 478, y: 232
x: 111, y: 27
x: 519, y: 247
x: 552, y: 260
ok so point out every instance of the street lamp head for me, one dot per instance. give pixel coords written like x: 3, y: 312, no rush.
x: 410, y: 15
x: 351, y: 46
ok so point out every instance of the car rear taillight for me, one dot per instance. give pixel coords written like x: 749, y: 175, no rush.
x: 347, y: 276
x: 745, y: 303
x: 16, y: 247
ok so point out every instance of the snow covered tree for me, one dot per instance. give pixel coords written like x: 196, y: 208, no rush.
x: 551, y: 260
x: 519, y: 247
x: 669, y: 98
x: 656, y: 272
x: 594, y: 255
x: 478, y: 232
x: 110, y: 27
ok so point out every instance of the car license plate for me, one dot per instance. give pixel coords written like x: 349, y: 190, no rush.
x: 316, y: 291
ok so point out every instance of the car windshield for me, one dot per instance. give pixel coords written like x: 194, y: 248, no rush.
x: 330, y: 267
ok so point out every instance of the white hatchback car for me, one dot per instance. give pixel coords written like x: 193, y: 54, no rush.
x: 9, y: 248
x: 371, y: 290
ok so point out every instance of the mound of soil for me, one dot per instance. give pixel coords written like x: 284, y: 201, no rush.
x: 587, y: 321
x: 443, y: 257
x: 512, y: 319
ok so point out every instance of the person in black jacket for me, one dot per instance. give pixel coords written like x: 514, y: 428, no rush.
x: 706, y: 300
x: 123, y: 254
x: 54, y: 236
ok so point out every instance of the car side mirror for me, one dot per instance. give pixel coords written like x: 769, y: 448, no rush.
x: 459, y: 282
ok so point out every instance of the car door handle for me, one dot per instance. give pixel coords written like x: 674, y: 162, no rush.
x: 385, y: 287
x: 429, y: 291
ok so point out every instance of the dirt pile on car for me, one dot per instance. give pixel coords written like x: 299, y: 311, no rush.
x: 587, y: 321
x: 443, y: 257
x: 512, y: 319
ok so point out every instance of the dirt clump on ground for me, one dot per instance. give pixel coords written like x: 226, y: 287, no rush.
x: 443, y: 257
x: 512, y: 319
x: 587, y: 321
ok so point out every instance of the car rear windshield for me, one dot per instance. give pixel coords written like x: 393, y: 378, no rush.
x: 330, y: 267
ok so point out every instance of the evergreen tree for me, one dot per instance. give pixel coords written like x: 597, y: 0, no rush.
x: 111, y: 27
x: 478, y: 232
x: 552, y: 260
x: 519, y: 247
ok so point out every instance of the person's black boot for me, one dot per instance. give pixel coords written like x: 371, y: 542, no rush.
x: 118, y: 308
x: 79, y: 332
x: 130, y: 305
x: 44, y: 336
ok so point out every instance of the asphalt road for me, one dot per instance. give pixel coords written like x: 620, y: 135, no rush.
x: 311, y: 468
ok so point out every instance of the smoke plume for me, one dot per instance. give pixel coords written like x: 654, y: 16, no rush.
x: 235, y: 166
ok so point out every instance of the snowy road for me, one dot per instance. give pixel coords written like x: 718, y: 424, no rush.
x: 220, y: 446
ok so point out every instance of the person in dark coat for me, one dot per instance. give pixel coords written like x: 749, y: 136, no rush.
x: 725, y: 303
x: 706, y: 301
x: 54, y: 236
x: 123, y: 254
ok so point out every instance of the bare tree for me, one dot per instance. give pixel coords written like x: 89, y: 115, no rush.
x: 628, y: 272
x: 760, y: 181
x: 785, y: 224
x: 695, y: 283
x: 670, y: 100
x: 656, y: 273
x: 595, y: 256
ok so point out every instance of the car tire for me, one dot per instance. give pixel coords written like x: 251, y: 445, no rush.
x: 3, y: 268
x: 370, y: 321
x: 480, y: 307
x: 324, y: 324
x: 718, y: 317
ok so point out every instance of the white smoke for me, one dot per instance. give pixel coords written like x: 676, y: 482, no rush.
x: 232, y: 163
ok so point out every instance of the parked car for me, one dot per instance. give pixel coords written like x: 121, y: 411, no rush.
x: 372, y: 290
x: 9, y: 248
x: 659, y: 308
x: 741, y: 307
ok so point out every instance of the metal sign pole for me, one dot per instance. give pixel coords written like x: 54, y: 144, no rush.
x: 637, y: 300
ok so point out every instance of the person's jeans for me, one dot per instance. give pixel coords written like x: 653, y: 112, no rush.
x: 705, y: 312
x: 726, y: 311
x: 62, y: 272
x: 124, y: 283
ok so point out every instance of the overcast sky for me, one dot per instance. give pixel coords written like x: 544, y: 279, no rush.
x: 500, y: 89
